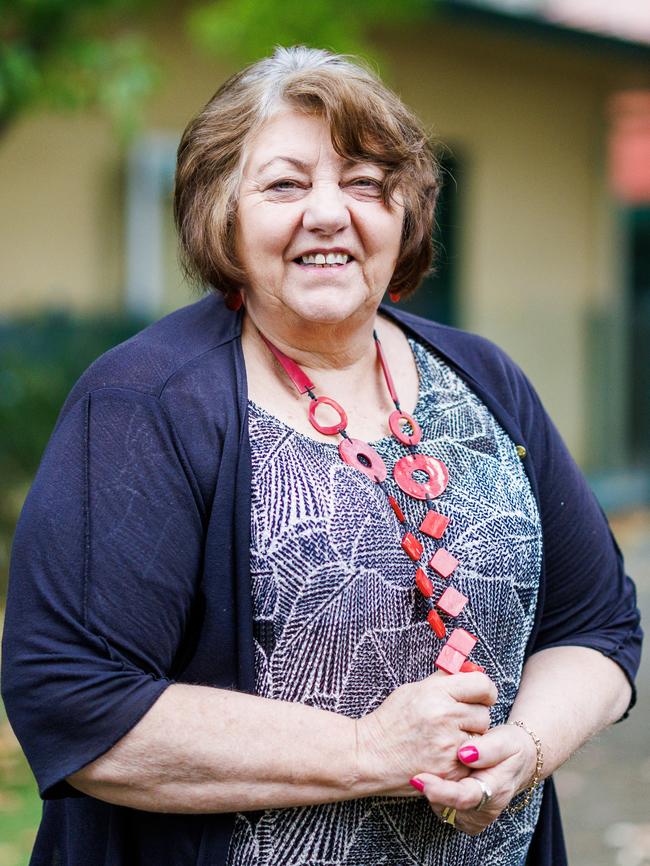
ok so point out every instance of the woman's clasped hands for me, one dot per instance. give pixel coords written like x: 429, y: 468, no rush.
x: 436, y: 733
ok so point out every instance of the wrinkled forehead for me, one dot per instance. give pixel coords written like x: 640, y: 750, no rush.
x: 287, y: 135
x: 304, y: 138
x: 296, y: 141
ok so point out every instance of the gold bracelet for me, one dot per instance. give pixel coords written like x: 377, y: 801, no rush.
x: 527, y: 794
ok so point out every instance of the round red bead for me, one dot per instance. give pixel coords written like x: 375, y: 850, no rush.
x: 435, y: 470
x: 331, y: 429
x: 398, y: 431
x: 352, y: 449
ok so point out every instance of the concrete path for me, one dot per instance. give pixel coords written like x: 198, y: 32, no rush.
x: 605, y: 789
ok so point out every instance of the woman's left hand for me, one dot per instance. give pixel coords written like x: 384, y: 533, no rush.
x: 503, y: 759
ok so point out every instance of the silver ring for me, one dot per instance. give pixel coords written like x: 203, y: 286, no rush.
x: 486, y: 794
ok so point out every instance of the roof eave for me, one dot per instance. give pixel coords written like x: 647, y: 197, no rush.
x: 530, y: 25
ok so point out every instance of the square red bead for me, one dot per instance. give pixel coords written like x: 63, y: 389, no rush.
x: 442, y: 562
x: 412, y: 546
x: 462, y: 641
x: 452, y: 601
x: 450, y: 660
x: 434, y: 524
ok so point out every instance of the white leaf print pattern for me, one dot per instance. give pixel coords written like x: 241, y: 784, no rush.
x: 339, y: 624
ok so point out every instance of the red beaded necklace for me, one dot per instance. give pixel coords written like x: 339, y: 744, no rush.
x: 363, y: 457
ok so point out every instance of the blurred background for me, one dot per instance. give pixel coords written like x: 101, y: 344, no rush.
x: 541, y: 111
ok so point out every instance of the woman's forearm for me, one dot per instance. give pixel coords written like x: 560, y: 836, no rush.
x: 201, y: 749
x: 567, y: 694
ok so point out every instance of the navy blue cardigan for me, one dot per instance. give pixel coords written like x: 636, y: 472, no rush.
x: 130, y: 568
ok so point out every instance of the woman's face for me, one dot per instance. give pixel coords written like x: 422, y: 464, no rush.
x: 299, y: 202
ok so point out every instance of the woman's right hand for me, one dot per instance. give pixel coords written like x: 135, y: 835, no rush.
x: 419, y: 728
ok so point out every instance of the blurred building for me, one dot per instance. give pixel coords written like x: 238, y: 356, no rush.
x: 543, y: 108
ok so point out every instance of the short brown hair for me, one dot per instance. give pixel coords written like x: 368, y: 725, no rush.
x: 368, y: 122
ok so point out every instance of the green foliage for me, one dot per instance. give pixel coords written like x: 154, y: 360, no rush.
x: 71, y: 54
x: 248, y: 29
x: 77, y: 54
x: 40, y: 359
x: 113, y: 76
x: 20, y: 805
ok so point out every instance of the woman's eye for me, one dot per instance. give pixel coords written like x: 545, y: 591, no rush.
x: 284, y: 185
x: 367, y: 184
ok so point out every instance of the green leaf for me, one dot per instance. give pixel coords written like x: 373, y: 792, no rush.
x: 248, y: 29
x: 57, y: 54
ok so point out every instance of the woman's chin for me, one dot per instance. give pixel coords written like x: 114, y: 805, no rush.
x: 331, y: 309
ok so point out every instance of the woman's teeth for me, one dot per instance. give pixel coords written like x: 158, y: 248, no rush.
x: 324, y: 260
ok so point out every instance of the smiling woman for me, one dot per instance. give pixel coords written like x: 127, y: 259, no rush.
x: 315, y: 238
x: 316, y: 581
x: 379, y: 144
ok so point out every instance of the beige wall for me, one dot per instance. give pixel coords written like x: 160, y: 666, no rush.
x: 539, y: 253
x: 60, y: 234
x: 538, y: 248
x: 530, y: 151
x: 62, y: 180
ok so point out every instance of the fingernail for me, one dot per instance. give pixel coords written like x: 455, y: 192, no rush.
x: 417, y: 784
x: 468, y: 754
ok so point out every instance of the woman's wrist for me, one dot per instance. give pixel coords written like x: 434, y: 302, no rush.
x: 371, y: 778
x: 529, y: 755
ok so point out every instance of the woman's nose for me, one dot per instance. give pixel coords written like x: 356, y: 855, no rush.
x: 326, y: 209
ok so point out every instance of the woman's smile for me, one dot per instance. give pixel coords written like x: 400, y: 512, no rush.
x: 325, y: 270
x: 324, y: 258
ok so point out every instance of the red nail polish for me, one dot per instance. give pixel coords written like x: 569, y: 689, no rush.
x: 417, y: 784
x: 468, y: 754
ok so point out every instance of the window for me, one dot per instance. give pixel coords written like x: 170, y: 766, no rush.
x: 436, y: 297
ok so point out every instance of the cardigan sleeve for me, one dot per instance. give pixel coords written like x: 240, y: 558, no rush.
x: 587, y: 598
x: 104, y: 567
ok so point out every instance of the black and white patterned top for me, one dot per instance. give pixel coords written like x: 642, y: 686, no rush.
x: 339, y: 623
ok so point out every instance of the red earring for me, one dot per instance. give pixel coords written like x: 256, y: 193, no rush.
x: 233, y: 301
x: 394, y: 296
